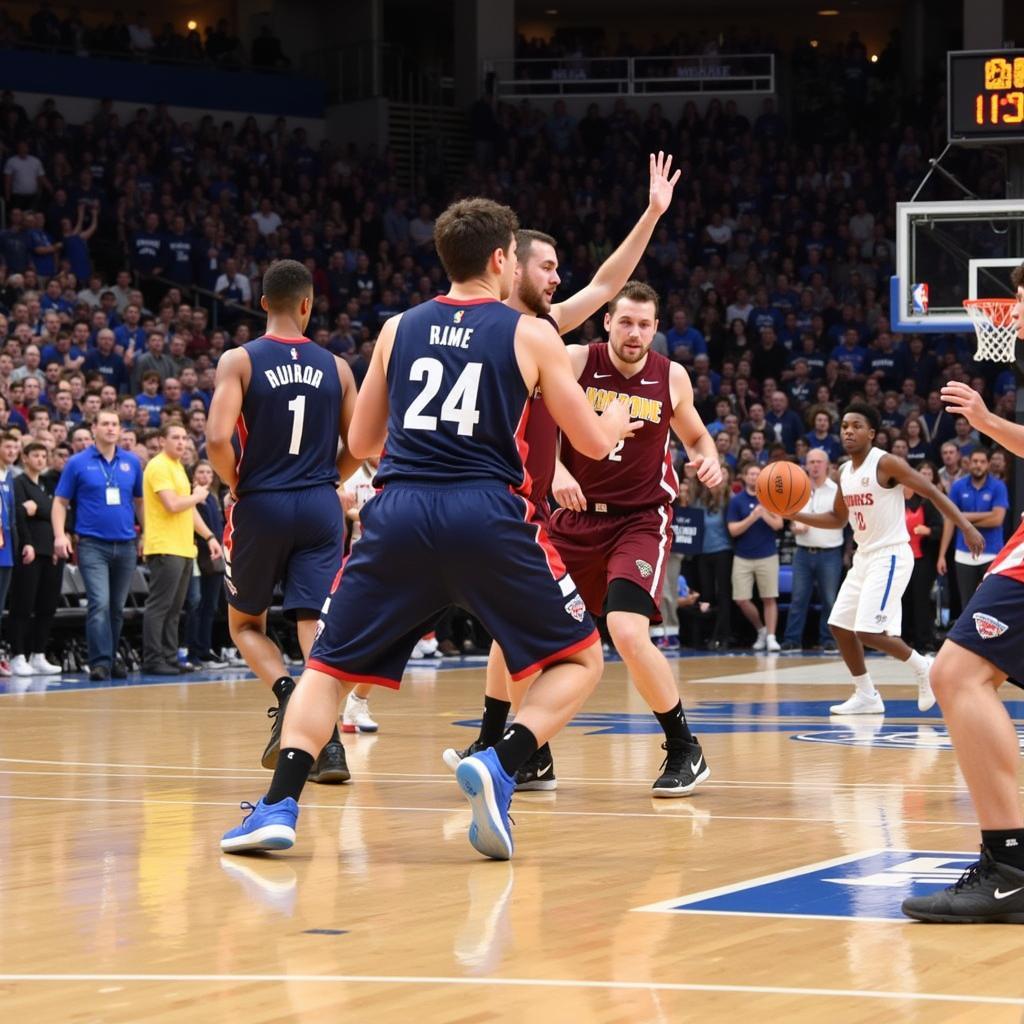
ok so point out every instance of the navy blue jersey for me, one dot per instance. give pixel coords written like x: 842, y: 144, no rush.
x: 459, y: 405
x: 288, y: 429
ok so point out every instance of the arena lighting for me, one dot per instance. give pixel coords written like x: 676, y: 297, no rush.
x: 874, y: 58
x: 814, y: 44
x: 193, y: 25
x: 552, y: 11
x: 829, y: 12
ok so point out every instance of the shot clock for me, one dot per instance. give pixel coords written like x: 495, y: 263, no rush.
x: 985, y: 96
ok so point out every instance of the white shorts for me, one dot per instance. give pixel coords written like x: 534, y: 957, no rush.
x: 871, y: 597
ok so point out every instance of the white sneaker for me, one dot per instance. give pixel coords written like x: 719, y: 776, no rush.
x: 426, y: 648
x: 771, y: 645
x: 231, y: 656
x: 21, y: 667
x: 859, y: 704
x: 762, y: 640
x: 42, y: 667
x: 356, y: 716
x: 925, y: 697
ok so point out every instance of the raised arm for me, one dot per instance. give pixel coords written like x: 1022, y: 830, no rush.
x: 889, y: 466
x: 690, y: 429
x: 543, y: 359
x: 233, y: 371
x: 616, y: 270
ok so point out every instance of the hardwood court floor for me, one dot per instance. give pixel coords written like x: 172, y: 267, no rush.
x: 118, y: 907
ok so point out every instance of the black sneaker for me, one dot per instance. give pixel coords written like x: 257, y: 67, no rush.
x: 452, y: 757
x: 119, y: 670
x: 987, y: 893
x: 788, y: 648
x: 99, y: 673
x: 538, y: 772
x: 684, y: 768
x: 330, y: 766
x: 276, y: 716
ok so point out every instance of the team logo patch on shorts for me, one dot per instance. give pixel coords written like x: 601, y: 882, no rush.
x: 645, y: 568
x: 320, y: 624
x: 577, y: 608
x: 988, y: 627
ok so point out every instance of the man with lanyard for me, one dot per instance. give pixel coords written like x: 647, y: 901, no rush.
x: 105, y: 484
x: 984, y: 500
x: 818, y: 560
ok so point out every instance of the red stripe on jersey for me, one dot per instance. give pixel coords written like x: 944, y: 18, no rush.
x: 557, y: 656
x: 351, y: 677
x: 228, y: 544
x: 449, y: 301
x: 555, y: 564
x: 287, y: 341
x: 526, y: 487
x: 243, y: 437
x: 1010, y: 561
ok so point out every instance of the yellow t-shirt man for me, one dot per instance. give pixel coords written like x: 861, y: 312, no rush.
x: 167, y: 533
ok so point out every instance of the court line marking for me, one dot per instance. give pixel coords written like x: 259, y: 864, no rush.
x: 680, y: 903
x: 563, y: 983
x: 520, y: 810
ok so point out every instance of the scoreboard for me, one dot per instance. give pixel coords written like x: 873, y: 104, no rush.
x: 985, y: 96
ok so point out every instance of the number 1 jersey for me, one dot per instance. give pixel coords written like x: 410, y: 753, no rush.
x: 458, y: 403
x: 289, y: 427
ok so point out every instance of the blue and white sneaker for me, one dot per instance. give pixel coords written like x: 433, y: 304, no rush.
x: 489, y: 791
x: 265, y: 827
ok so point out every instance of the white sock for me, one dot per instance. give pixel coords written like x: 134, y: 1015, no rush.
x: 865, y: 685
x: 918, y: 662
x: 762, y: 632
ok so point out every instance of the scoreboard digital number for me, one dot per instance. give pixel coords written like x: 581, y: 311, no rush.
x: 985, y: 100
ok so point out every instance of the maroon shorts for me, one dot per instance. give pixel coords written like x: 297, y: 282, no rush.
x: 598, y: 548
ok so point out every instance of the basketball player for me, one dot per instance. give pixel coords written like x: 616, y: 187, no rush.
x: 448, y: 390
x: 535, y: 284
x: 290, y: 401
x: 868, y: 610
x: 983, y: 649
x: 613, y: 531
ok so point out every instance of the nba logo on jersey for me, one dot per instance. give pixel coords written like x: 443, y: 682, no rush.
x: 919, y: 297
x: 459, y: 314
x: 988, y: 627
x: 295, y: 354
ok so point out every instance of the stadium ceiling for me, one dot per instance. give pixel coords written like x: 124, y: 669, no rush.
x: 677, y: 8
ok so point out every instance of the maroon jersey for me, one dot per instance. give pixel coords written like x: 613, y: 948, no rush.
x: 542, y: 439
x: 638, y: 472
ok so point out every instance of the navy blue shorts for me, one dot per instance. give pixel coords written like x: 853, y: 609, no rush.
x: 424, y: 548
x: 290, y: 537
x: 992, y: 625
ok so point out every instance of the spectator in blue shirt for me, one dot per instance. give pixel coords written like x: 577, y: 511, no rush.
x: 180, y: 247
x: 130, y: 335
x: 851, y: 352
x: 684, y: 341
x: 14, y: 243
x: 147, y: 252
x: 885, y: 363
x: 756, y: 560
x: 762, y: 315
x: 44, y: 250
x: 821, y: 436
x: 984, y: 500
x: 104, y: 359
x: 150, y: 398
x: 75, y: 239
x: 53, y: 298
x: 784, y: 425
x: 104, y: 484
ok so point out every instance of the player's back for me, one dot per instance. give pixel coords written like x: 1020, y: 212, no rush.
x: 876, y: 512
x: 458, y: 402
x: 638, y: 472
x: 289, y: 426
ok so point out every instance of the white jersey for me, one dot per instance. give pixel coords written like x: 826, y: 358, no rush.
x: 877, y: 513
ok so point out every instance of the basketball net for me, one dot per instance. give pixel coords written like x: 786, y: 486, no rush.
x: 995, y: 326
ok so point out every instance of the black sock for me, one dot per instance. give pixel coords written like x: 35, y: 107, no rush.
x: 674, y: 724
x: 493, y: 723
x: 283, y: 687
x: 1006, y: 846
x: 544, y: 754
x: 289, y: 776
x: 335, y: 737
x: 515, y: 748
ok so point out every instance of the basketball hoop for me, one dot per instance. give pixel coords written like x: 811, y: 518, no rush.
x: 996, y: 327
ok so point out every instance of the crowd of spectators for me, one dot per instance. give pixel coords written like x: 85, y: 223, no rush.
x: 136, y: 38
x: 134, y: 250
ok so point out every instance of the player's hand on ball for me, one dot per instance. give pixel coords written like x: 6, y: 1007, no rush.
x: 963, y: 400
x: 974, y: 541
x: 661, y: 184
x: 709, y: 471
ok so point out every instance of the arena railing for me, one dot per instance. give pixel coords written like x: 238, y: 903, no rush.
x: 210, y: 301
x: 635, y: 76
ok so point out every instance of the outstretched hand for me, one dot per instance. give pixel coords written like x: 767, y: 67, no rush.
x: 962, y: 400
x: 662, y: 185
x: 709, y: 471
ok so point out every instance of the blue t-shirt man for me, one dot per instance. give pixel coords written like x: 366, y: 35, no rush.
x: 758, y: 540
x: 103, y: 493
x: 979, y: 495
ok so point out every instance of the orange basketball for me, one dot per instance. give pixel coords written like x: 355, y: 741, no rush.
x: 783, y: 488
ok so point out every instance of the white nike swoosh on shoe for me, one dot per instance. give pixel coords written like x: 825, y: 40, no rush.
x: 544, y: 771
x: 1000, y: 895
x: 642, y: 381
x: 695, y: 765
x: 601, y: 376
